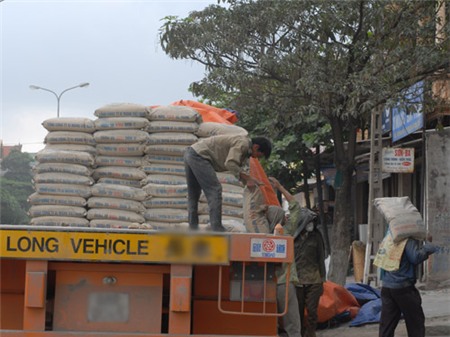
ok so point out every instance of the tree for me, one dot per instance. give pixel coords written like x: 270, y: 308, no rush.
x: 292, y: 66
x: 11, y: 211
x: 17, y: 166
x: 16, y: 187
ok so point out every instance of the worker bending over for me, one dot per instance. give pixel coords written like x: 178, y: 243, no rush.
x: 218, y: 154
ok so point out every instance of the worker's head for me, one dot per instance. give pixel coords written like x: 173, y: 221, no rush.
x: 261, y: 147
x: 306, y: 217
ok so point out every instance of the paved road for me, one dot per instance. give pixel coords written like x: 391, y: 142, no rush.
x: 436, y: 305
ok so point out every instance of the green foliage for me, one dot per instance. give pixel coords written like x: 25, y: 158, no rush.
x: 310, y: 72
x: 13, y: 204
x: 16, y: 187
x: 17, y: 165
x: 312, y: 69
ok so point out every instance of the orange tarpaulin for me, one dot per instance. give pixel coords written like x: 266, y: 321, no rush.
x: 212, y: 114
x: 257, y: 172
x: 334, y: 301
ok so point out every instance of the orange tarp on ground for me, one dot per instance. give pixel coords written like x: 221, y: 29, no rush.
x: 212, y: 114
x: 334, y: 301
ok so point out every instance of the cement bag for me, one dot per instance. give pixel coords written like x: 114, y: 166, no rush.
x: 169, y: 126
x: 171, y: 150
x: 122, y: 110
x: 58, y: 221
x: 124, y: 182
x: 232, y: 199
x: 48, y: 199
x: 204, y: 219
x: 65, y: 157
x: 167, y: 138
x: 114, y: 214
x: 164, y: 159
x: 255, y: 209
x: 234, y: 226
x: 166, y: 215
x: 118, y: 191
x: 389, y: 253
x: 229, y: 188
x: 170, y: 226
x: 56, y: 210
x: 118, y: 161
x: 116, y: 203
x: 161, y: 202
x: 69, y: 137
x: 72, y: 147
x: 209, y: 129
x: 173, y: 113
x: 119, y: 172
x: 69, y: 124
x: 403, y: 218
x: 158, y: 190
x: 228, y: 178
x: 137, y: 123
x: 121, y: 136
x: 228, y: 210
x: 163, y: 179
x: 62, y: 178
x: 177, y: 170
x: 123, y: 149
x: 64, y: 189
x: 107, y: 223
x: 62, y: 168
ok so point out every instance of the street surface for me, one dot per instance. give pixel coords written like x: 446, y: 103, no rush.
x: 436, y: 305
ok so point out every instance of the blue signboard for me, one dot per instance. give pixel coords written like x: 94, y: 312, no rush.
x: 386, y: 121
x: 408, y: 116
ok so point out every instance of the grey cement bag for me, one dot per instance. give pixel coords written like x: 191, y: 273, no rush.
x: 69, y: 124
x: 403, y: 218
x: 122, y: 110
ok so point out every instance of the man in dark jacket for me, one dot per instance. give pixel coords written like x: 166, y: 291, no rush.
x: 218, y: 154
x: 310, y: 263
x: 399, y: 294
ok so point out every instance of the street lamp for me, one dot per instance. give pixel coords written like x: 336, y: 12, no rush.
x: 58, y: 97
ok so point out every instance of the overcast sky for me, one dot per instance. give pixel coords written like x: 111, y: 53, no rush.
x: 59, y: 44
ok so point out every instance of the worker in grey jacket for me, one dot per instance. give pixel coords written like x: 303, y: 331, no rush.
x: 218, y: 154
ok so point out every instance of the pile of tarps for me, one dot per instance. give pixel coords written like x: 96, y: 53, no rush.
x: 336, y: 305
x: 356, y: 302
x: 370, y: 301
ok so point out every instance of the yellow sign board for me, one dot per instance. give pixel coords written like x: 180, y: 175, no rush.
x: 116, y: 246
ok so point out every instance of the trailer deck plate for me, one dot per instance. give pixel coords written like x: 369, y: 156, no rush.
x: 115, y: 246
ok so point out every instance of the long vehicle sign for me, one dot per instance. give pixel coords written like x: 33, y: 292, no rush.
x: 114, y: 246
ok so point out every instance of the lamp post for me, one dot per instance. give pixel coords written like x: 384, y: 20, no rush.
x: 58, y: 97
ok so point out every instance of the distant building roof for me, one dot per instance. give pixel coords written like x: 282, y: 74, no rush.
x: 5, y: 150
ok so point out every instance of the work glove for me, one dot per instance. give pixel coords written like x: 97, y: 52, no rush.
x: 430, y: 248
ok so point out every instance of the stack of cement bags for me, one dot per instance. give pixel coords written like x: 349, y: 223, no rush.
x: 62, y: 177
x: 171, y: 130
x: 232, y: 188
x: 120, y: 138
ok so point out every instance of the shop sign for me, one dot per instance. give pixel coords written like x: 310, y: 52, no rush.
x: 398, y: 160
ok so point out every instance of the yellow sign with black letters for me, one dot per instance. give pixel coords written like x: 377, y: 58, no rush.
x: 115, y: 246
